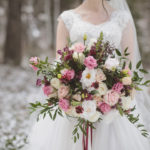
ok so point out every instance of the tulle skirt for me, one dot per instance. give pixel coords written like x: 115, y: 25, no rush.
x: 114, y: 132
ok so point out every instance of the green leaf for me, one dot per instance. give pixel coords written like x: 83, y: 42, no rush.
x: 75, y: 139
x: 75, y: 131
x: 146, y: 82
x: 143, y: 71
x: 54, y: 117
x: 125, y: 51
x: 84, y: 132
x: 101, y: 36
x: 127, y: 54
x: 124, y: 64
x: 130, y: 65
x: 140, y: 125
x: 50, y: 114
x: 138, y: 64
x: 138, y: 89
x: 118, y: 52
x: 38, y: 72
x: 78, y: 136
x: 120, y: 110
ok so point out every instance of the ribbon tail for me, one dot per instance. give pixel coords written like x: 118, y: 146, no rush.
x: 87, y: 141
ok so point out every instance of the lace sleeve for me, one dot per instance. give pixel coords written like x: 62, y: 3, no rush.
x: 122, y: 18
x: 67, y: 18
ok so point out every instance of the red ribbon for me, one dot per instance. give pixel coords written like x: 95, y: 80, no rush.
x: 85, y: 141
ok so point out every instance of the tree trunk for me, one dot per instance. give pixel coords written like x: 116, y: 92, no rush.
x: 56, y: 14
x: 13, y: 46
x: 52, y: 23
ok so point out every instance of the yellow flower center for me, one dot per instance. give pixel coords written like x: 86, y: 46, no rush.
x: 88, y: 76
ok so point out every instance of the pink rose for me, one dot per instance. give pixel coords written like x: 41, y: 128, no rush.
x: 104, y: 108
x: 47, y: 90
x: 100, y: 76
x: 63, y: 91
x: 117, y: 87
x: 79, y: 47
x: 111, y: 97
x: 90, y: 62
x: 34, y: 60
x: 64, y: 104
x: 68, y: 74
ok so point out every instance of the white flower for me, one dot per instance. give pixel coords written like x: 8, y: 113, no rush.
x: 88, y: 77
x: 95, y: 117
x: 91, y: 43
x: 75, y: 55
x: 127, y: 80
x: 126, y: 102
x: 55, y: 83
x: 111, y: 63
x: 102, y: 89
x: 90, y: 112
x: 79, y: 56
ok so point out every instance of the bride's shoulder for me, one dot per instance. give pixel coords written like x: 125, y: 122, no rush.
x: 67, y: 17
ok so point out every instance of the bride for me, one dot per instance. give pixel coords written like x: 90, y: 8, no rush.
x: 114, y: 19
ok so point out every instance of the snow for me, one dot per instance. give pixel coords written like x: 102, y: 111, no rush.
x: 17, y: 89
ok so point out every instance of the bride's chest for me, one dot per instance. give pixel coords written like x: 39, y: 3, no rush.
x: 111, y: 31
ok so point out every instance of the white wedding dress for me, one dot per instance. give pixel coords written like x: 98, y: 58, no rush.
x: 113, y: 132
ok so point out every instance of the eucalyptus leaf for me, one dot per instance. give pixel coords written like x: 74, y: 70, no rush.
x: 138, y: 64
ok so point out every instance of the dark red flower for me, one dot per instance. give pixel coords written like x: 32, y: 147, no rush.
x: 66, y: 49
x: 38, y: 82
x: 79, y: 75
x: 92, y: 52
x: 88, y: 96
x: 68, y: 57
x: 59, y: 52
x: 46, y: 82
x: 79, y: 109
x: 95, y: 85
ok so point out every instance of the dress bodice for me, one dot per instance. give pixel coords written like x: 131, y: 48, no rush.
x: 112, y: 29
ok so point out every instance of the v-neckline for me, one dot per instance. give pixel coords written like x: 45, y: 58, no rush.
x: 97, y: 25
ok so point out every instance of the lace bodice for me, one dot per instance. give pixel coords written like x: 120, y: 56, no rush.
x: 112, y: 29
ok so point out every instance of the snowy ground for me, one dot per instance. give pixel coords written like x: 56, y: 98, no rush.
x: 17, y: 88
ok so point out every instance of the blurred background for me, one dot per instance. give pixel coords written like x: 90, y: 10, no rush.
x: 27, y: 28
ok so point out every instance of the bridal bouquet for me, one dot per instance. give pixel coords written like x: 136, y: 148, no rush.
x: 88, y: 82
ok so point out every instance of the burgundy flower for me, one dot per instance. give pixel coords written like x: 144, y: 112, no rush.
x: 68, y: 57
x: 46, y: 81
x: 95, y: 85
x: 59, y: 52
x: 66, y: 49
x: 38, y: 82
x: 79, y: 75
x: 79, y: 109
x: 92, y: 52
x: 88, y: 96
